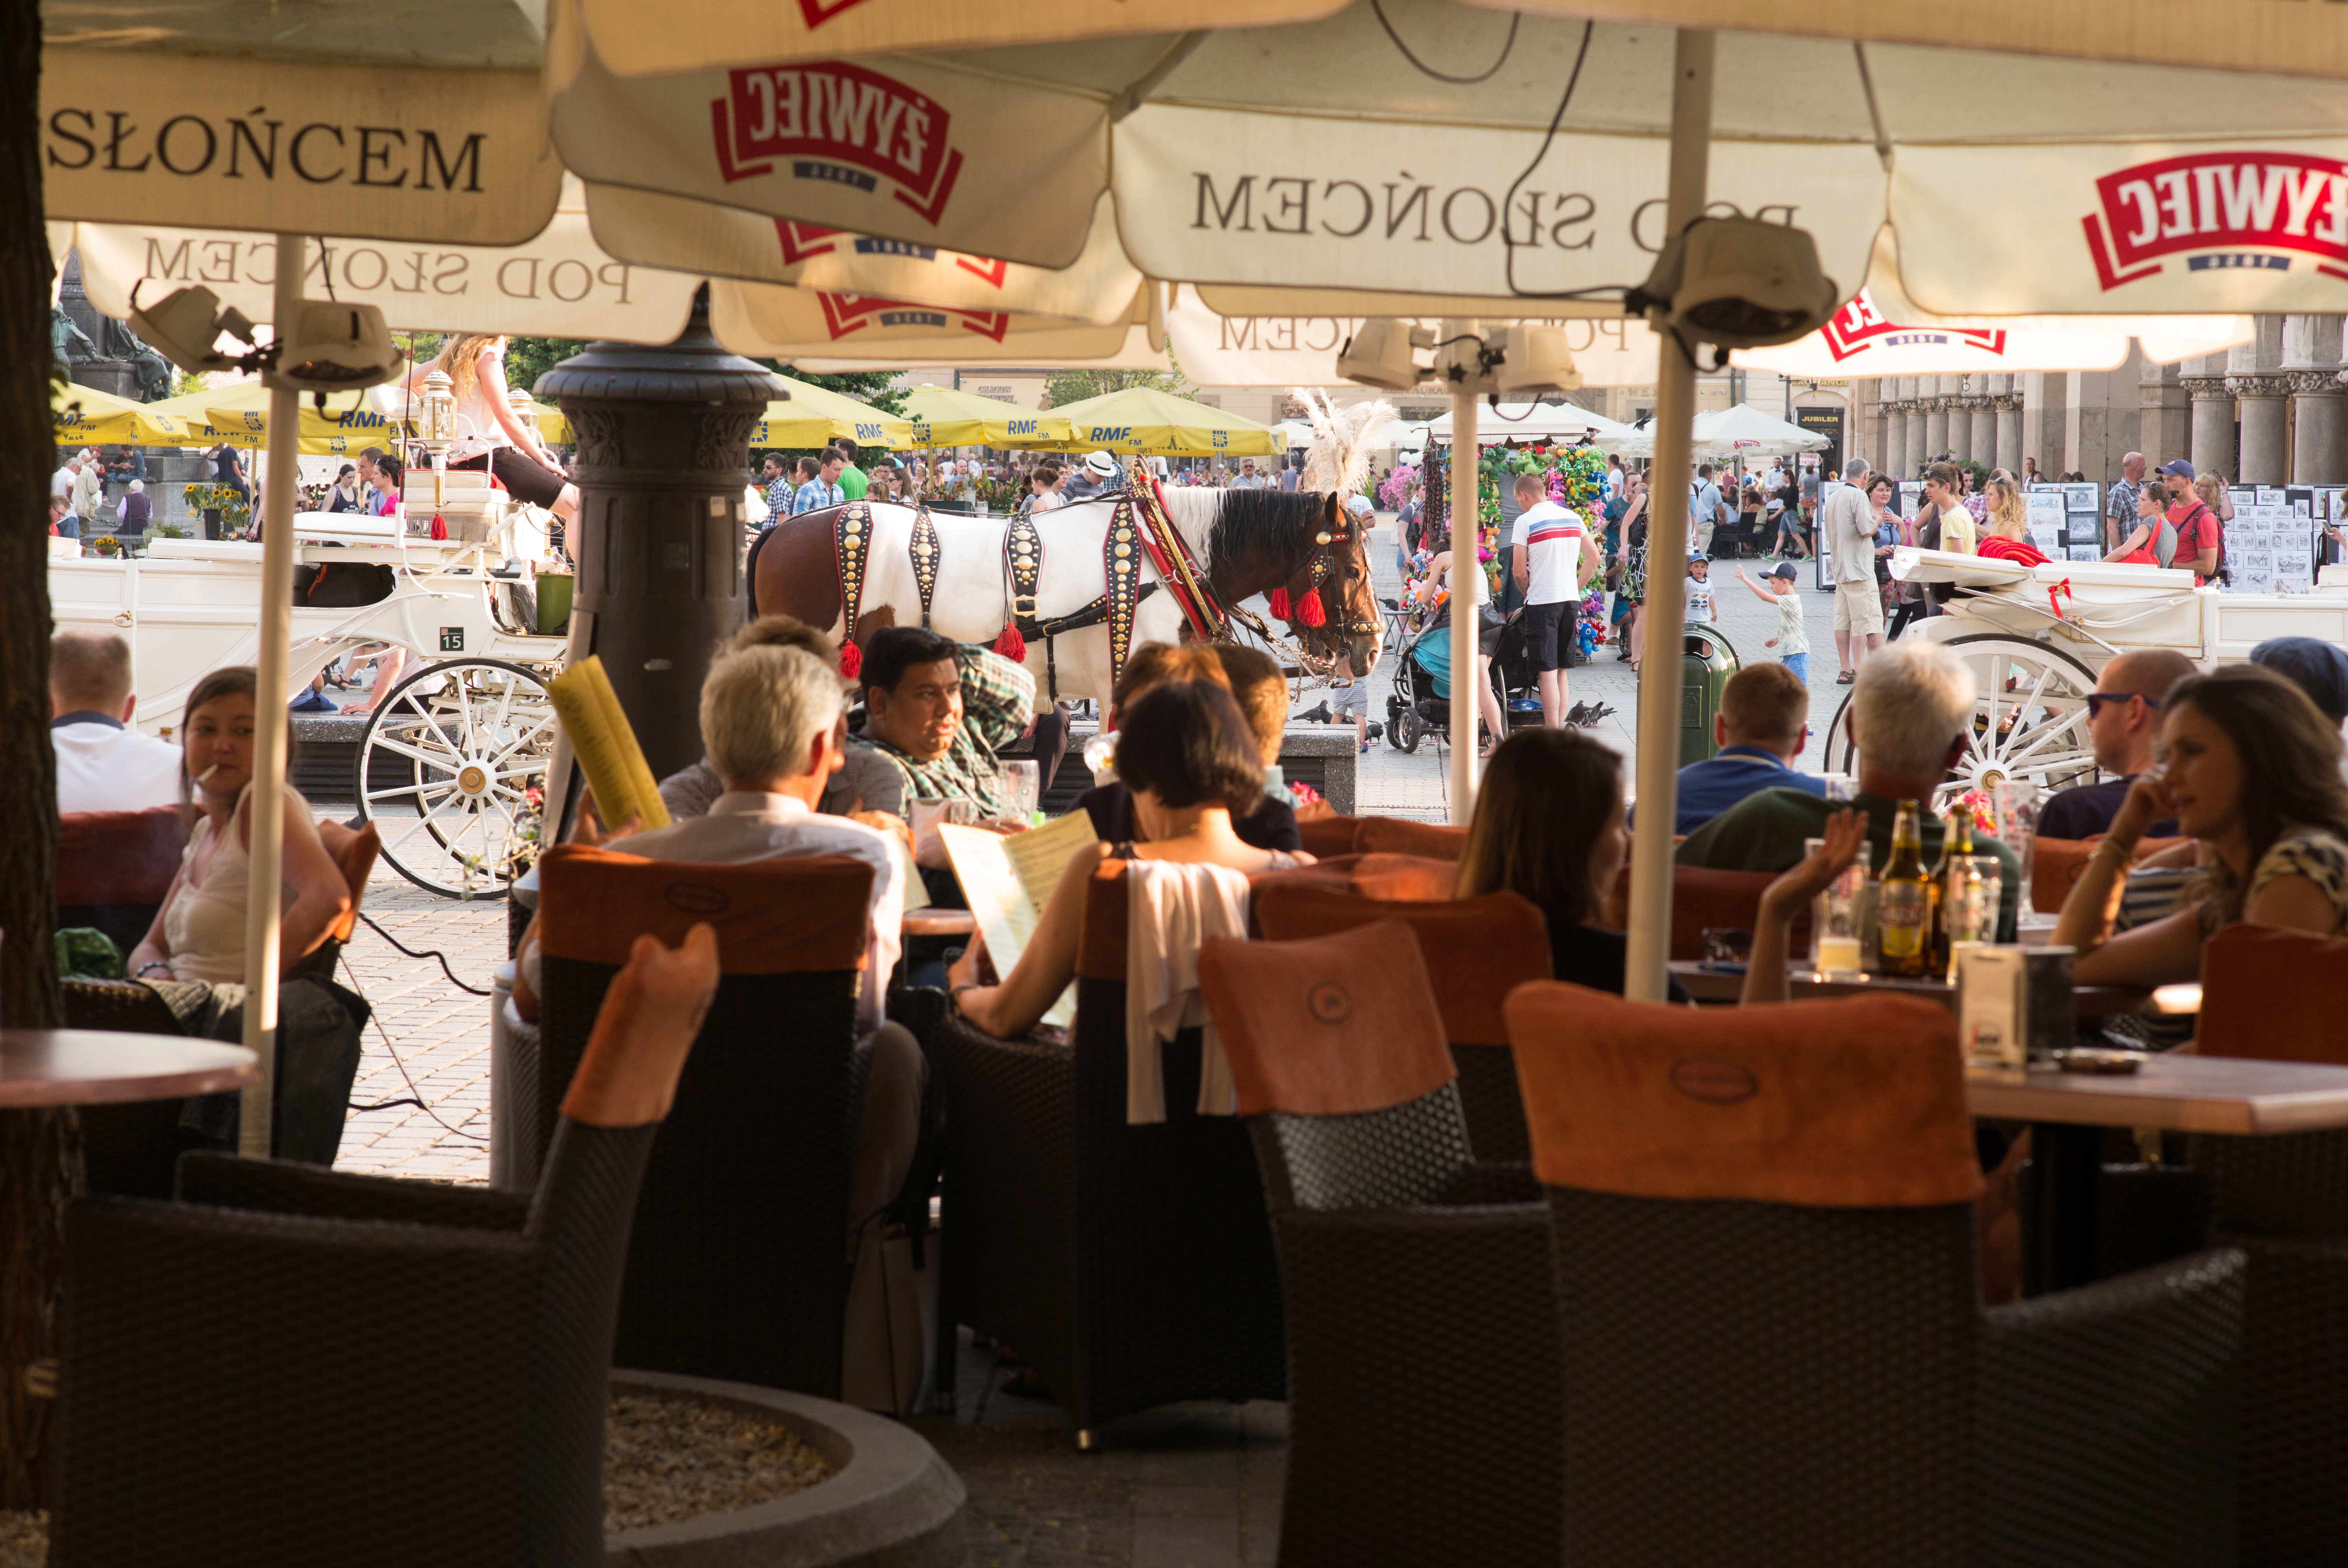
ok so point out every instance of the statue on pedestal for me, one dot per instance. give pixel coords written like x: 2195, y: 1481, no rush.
x: 63, y: 334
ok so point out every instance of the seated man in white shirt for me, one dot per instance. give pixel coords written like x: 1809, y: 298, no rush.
x: 767, y: 719
x: 103, y: 765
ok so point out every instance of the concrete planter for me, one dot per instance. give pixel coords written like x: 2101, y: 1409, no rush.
x: 892, y: 1502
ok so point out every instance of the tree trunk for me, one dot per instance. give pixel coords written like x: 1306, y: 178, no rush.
x: 39, y: 1150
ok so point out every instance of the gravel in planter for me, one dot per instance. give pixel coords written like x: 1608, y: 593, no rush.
x: 666, y: 1460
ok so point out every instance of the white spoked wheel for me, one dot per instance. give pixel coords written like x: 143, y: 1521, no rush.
x: 2030, y: 720
x: 446, y: 768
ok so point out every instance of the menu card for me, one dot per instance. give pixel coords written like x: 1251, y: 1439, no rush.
x: 1006, y: 879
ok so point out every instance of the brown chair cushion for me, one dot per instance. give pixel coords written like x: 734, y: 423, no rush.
x: 627, y: 1075
x: 1386, y: 835
x: 786, y: 915
x: 1400, y: 876
x: 353, y: 855
x: 118, y: 856
x: 1333, y: 1025
x: 1705, y: 898
x: 1100, y: 945
x: 2056, y: 863
x: 1327, y: 836
x: 1841, y: 1104
x: 2272, y: 992
x: 1476, y: 949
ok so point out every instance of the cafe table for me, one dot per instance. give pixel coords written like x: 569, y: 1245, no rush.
x: 1711, y: 984
x: 41, y: 1066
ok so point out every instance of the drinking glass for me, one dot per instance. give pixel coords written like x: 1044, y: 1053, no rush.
x: 2015, y: 804
x: 1836, y: 915
x: 1026, y: 782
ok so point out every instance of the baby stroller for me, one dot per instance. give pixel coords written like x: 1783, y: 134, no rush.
x: 1421, y: 702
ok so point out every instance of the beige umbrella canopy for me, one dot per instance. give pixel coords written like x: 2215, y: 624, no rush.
x: 807, y: 325
x: 1407, y: 156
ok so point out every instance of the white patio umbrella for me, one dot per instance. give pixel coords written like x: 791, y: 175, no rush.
x: 419, y: 124
x: 556, y: 283
x: 1741, y: 430
x: 1544, y: 421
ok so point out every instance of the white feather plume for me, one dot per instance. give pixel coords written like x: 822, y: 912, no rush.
x: 1339, y: 457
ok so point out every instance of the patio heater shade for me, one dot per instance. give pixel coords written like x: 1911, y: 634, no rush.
x: 420, y: 122
x: 652, y: 229
x: 557, y: 283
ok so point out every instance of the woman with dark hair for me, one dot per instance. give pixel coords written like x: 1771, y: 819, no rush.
x: 2252, y: 773
x: 1185, y: 752
x: 199, y: 933
x: 385, y: 476
x: 1548, y: 824
x: 342, y: 495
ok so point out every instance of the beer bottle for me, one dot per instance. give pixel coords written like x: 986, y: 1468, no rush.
x: 1903, y: 905
x: 1961, y: 887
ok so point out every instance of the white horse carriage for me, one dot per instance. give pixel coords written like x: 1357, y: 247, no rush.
x: 2037, y: 637
x: 449, y: 754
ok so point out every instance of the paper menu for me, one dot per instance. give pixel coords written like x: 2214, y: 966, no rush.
x: 1006, y: 879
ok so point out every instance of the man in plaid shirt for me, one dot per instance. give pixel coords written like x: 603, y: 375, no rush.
x: 2119, y: 501
x: 940, y: 712
x: 779, y: 490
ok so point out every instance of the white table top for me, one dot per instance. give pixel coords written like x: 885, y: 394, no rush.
x: 2186, y: 1093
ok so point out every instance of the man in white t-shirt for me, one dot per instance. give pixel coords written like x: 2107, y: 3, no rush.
x: 1554, y: 557
x: 103, y: 765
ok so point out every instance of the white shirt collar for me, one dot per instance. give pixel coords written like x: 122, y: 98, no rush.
x: 753, y: 802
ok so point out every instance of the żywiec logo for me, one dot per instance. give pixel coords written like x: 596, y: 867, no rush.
x: 837, y: 123
x: 805, y: 242
x: 1855, y: 328
x: 2227, y: 208
x: 817, y: 12
x: 847, y: 314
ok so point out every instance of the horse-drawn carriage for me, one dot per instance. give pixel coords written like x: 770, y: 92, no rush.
x: 449, y: 754
x: 2037, y: 637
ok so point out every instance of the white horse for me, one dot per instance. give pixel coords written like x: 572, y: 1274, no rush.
x: 1243, y: 542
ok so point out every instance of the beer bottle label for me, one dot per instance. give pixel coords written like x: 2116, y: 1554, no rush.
x: 1900, y: 919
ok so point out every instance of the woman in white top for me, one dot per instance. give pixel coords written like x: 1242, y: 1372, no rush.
x: 1044, y: 482
x: 489, y: 435
x: 199, y: 933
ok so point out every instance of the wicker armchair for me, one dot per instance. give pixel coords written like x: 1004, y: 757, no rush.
x: 1398, y: 1251
x: 297, y: 1368
x: 738, y: 1267
x: 114, y: 868
x: 1478, y: 949
x: 1131, y: 1265
x: 1763, y: 1232
x: 131, y: 1149
x: 2281, y: 994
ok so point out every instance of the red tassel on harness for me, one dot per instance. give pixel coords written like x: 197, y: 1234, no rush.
x: 440, y: 527
x: 1011, y: 645
x: 1310, y: 612
x: 852, y: 661
x: 1277, y: 601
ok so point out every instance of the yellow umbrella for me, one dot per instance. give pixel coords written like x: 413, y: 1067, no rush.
x: 945, y: 418
x: 553, y: 428
x: 814, y: 415
x: 84, y: 414
x: 1141, y: 419
x: 345, y: 426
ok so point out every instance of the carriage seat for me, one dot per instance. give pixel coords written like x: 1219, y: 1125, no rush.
x: 347, y: 528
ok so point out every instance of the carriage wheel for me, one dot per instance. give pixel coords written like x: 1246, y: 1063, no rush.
x: 443, y: 770
x: 1405, y: 729
x: 2030, y: 719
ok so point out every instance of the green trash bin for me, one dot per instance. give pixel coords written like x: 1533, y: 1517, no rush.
x: 1710, y: 660
x: 555, y: 601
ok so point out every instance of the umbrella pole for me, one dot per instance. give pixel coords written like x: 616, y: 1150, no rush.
x: 267, y: 855
x: 1663, y: 619
x: 1465, y: 534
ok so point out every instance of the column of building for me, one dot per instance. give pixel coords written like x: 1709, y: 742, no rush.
x: 2311, y: 369
x: 2254, y: 375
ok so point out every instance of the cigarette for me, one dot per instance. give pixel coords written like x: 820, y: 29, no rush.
x: 208, y: 773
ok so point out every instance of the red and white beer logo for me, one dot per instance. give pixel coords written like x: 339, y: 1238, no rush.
x: 805, y: 242
x: 1855, y: 328
x: 2226, y: 208
x: 817, y: 12
x: 844, y: 315
x: 837, y: 123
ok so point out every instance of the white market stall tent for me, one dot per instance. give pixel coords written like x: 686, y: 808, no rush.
x: 1541, y: 422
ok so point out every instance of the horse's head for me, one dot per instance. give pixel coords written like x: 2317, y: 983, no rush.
x: 1337, y: 574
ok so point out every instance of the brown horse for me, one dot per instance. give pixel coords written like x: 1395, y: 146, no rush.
x: 1248, y: 542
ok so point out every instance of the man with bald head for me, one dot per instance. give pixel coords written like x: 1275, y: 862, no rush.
x: 103, y: 765
x: 2123, y: 721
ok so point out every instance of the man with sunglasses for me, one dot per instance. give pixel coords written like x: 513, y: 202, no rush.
x: 2123, y: 723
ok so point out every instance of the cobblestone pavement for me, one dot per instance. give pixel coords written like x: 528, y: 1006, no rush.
x: 1190, y: 1486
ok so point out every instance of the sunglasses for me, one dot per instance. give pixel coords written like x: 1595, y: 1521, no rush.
x: 2096, y: 699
